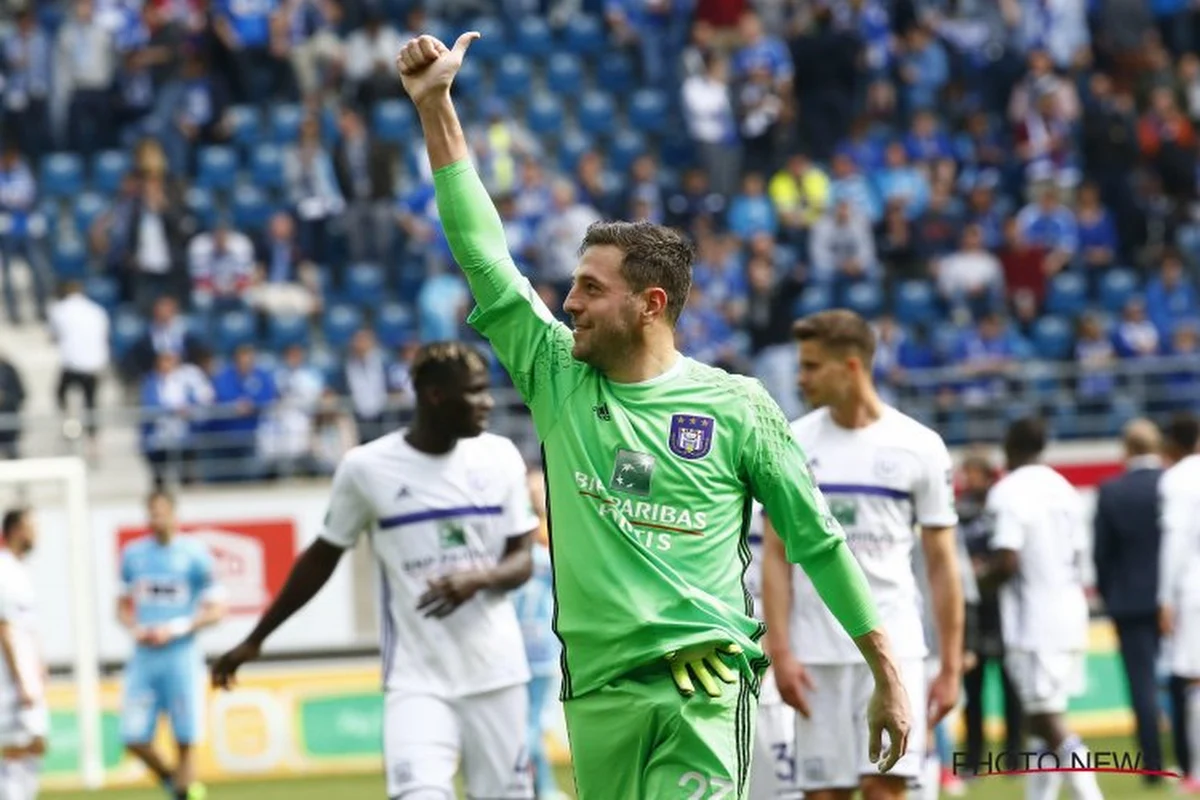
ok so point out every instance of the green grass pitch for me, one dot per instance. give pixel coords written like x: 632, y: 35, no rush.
x: 371, y: 787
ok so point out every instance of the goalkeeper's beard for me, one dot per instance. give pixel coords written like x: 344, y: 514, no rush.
x: 603, y: 346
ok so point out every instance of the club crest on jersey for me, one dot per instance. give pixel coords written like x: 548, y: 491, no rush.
x: 691, y: 435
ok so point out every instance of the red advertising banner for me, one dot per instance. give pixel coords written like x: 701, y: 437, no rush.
x: 252, y: 558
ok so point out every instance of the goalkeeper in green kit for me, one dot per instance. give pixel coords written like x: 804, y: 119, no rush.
x: 652, y: 462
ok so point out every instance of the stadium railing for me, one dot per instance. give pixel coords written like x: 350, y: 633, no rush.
x: 965, y: 406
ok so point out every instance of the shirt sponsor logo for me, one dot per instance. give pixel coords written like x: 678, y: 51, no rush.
x: 691, y: 435
x: 632, y: 473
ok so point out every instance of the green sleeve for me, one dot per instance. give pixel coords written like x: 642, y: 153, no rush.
x: 533, y: 346
x: 780, y: 479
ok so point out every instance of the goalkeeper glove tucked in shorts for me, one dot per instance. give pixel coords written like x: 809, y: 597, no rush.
x: 702, y: 662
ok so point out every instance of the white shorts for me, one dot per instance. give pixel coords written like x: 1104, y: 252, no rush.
x: 773, y: 768
x: 425, y: 738
x: 1045, y: 682
x: 833, y: 745
x: 20, y: 726
x: 1185, y: 643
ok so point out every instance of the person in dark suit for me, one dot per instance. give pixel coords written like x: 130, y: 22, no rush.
x: 1127, y: 538
x: 167, y: 332
x: 366, y: 174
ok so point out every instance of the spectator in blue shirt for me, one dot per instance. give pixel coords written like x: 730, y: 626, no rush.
x: 1171, y: 296
x: 244, y: 32
x: 852, y: 186
x: 22, y: 229
x: 926, y: 141
x: 1135, y: 335
x: 924, y: 70
x: 751, y: 211
x: 173, y: 398
x: 659, y: 28
x: 1096, y: 356
x: 901, y: 181
x: 25, y: 61
x: 1183, y: 381
x: 243, y: 392
x: 761, y: 51
x: 989, y: 354
x: 1050, y: 224
x: 1097, y: 244
x: 196, y: 112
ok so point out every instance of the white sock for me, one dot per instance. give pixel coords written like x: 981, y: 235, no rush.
x: 931, y: 778
x: 1082, y: 785
x: 1193, y: 727
x: 13, y: 781
x: 1041, y: 785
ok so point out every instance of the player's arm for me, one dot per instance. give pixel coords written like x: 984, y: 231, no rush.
x: 447, y: 593
x: 1103, y: 538
x: 126, y: 606
x: 8, y: 648
x: 790, y: 676
x: 1173, y: 558
x: 523, y: 332
x: 1008, y: 537
x: 348, y: 515
x: 780, y: 479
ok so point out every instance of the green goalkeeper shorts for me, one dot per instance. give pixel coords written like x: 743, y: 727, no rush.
x: 638, y: 738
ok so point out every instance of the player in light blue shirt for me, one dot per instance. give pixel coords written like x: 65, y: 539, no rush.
x: 167, y: 595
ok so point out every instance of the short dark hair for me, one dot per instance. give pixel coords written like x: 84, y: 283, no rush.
x: 1025, y: 440
x: 12, y: 519
x: 438, y: 363
x: 653, y: 255
x: 1182, y: 432
x: 838, y: 329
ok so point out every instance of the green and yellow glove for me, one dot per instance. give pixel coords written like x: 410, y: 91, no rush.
x: 703, y: 662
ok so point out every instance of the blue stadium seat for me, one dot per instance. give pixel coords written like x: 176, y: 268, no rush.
x: 677, y: 153
x: 392, y: 121
x: 1067, y: 294
x: 534, y: 38
x: 865, y: 298
x: 571, y: 148
x: 340, y: 323
x: 493, y: 44
x: 88, y: 206
x: 266, y: 167
x: 69, y: 257
x: 564, y: 74
x: 514, y: 78
x: 915, y: 301
x: 285, y: 122
x: 543, y: 115
x: 468, y: 83
x: 200, y: 202
x: 812, y: 300
x: 108, y: 170
x: 104, y: 290
x: 199, y: 323
x: 364, y: 286
x: 62, y: 175
x: 616, y: 74
x: 285, y: 330
x: 232, y: 329
x: 597, y: 113
x: 584, y: 33
x: 1116, y: 287
x: 395, y: 325
x: 245, y: 124
x: 127, y: 329
x: 625, y: 147
x: 250, y: 208
x: 648, y: 111
x: 1053, y: 338
x: 945, y: 337
x: 217, y: 167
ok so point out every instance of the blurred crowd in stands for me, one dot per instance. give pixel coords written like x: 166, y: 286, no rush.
x: 240, y: 187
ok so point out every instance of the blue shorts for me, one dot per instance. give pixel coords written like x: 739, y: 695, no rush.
x: 158, y: 682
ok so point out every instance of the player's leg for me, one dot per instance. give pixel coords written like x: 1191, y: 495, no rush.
x: 540, y: 689
x: 1191, y: 783
x: 140, y: 707
x: 706, y: 743
x: 494, y: 744
x: 420, y: 760
x: 12, y: 784
x: 908, y: 771
x: 612, y: 732
x: 827, y: 746
x: 184, y: 700
x: 773, y: 768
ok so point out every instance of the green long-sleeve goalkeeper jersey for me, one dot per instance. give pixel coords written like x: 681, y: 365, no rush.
x: 649, y: 485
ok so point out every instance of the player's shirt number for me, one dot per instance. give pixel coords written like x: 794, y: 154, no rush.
x: 702, y: 788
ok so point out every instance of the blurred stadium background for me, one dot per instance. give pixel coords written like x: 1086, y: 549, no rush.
x: 1008, y: 189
